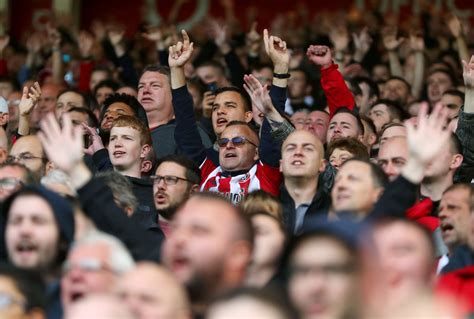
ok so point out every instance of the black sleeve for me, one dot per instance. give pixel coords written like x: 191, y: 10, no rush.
x: 98, y: 204
x: 236, y: 69
x: 398, y: 196
x: 101, y: 160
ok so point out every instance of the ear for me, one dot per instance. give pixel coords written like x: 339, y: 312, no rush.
x: 49, y: 167
x: 145, y: 150
x: 129, y: 211
x: 456, y: 161
x: 195, y: 188
x: 256, y: 156
x: 361, y: 138
x: 372, y: 139
x: 147, y: 165
x: 248, y: 116
x: 239, y: 256
x: 322, y: 165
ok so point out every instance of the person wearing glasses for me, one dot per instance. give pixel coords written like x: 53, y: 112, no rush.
x: 176, y: 177
x: 28, y: 151
x: 242, y: 162
x: 94, y: 265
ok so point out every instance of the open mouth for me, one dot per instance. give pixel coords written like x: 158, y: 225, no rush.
x: 118, y: 153
x: 446, y: 227
x: 221, y: 121
x: 230, y: 155
x: 26, y: 247
x: 297, y: 163
x: 146, y: 100
x: 76, y: 296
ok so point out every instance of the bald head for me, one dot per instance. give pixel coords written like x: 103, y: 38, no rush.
x: 29, y: 152
x: 138, y: 289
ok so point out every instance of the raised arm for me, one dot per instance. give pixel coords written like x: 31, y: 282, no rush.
x: 333, y: 84
x: 456, y: 28
x: 28, y: 101
x: 425, y: 142
x: 391, y: 43
x: 64, y: 147
x: 186, y: 133
x: 417, y: 45
x: 54, y: 38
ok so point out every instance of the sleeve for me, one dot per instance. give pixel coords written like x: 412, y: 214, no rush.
x: 23, y: 74
x: 129, y: 75
x: 98, y: 203
x: 163, y: 57
x: 85, y: 72
x: 186, y: 133
x: 465, y: 133
x: 397, y: 198
x: 270, y: 178
x: 336, y: 91
x: 101, y: 160
x: 236, y: 68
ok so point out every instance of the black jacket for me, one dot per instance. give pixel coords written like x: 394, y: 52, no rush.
x: 98, y: 204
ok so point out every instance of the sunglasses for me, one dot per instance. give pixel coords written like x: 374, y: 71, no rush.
x: 236, y: 141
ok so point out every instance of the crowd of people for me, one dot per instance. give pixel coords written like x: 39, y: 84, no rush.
x: 314, y: 169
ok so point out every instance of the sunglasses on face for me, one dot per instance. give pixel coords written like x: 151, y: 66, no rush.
x: 236, y: 141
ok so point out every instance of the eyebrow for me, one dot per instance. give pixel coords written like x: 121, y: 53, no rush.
x: 230, y: 103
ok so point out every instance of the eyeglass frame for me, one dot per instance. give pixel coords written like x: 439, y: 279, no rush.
x: 21, y: 157
x: 158, y: 178
x: 227, y: 140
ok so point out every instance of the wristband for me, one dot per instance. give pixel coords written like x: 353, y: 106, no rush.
x: 281, y: 75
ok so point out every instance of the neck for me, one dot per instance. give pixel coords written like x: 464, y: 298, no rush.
x: 259, y: 276
x: 434, y: 188
x: 302, y: 190
x: 157, y: 118
x: 130, y: 172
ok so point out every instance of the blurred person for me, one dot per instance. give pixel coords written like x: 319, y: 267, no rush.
x: 380, y: 72
x: 138, y: 290
x: 370, y: 135
x: 370, y: 93
x: 13, y: 100
x: 317, y: 122
x: 453, y: 100
x: 212, y: 71
x: 265, y: 213
x: 407, y: 260
x: 121, y: 188
x: 94, y: 265
x: 125, y: 89
x: 80, y: 115
x: 3, y: 145
x: 299, y: 91
x: 383, y: 112
x: 323, y: 267
x: 99, y: 74
x: 13, y: 176
x: 22, y: 294
x: 38, y: 230
x: 4, y: 113
x: 298, y: 118
x: 59, y: 182
x: 393, y: 154
x: 104, y: 89
x: 210, y: 247
x: 397, y: 90
x: 100, y: 306
x: 438, y: 81
x: 46, y: 103
x: 343, y: 149
x: 6, y: 86
x: 250, y: 303
x: 69, y: 99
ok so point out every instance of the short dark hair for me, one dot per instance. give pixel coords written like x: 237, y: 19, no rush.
x: 162, y: 69
x: 192, y: 171
x: 399, y: 78
x: 92, y: 119
x: 350, y: 144
x: 214, y: 64
x: 85, y: 100
x: 29, y: 284
x: 241, y: 92
x: 455, y: 145
x: 447, y: 72
x: 360, y: 125
x: 455, y: 92
x: 373, y: 87
x: 109, y: 83
x: 378, y: 176
x: 129, y: 100
x: 394, y: 109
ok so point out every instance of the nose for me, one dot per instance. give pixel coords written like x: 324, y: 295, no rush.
x: 390, y: 169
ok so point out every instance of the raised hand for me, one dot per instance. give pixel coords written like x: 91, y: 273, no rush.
x: 362, y: 41
x: 54, y: 37
x: 276, y: 50
x: 181, y: 52
x: 320, y: 55
x: 468, y: 73
x: 4, y: 41
x: 34, y: 44
x: 86, y: 42
x: 390, y: 39
x: 417, y: 43
x: 259, y: 94
x: 339, y: 38
x: 153, y: 34
x: 29, y: 99
x: 454, y: 26
x: 64, y: 146
x: 219, y: 34
x: 430, y: 136
x: 96, y: 142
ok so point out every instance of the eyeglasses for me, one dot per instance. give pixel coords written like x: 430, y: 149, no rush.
x: 10, y: 183
x: 7, y: 300
x: 168, y: 179
x: 22, y: 158
x: 236, y: 141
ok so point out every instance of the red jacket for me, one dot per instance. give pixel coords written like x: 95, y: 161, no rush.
x: 459, y: 284
x: 336, y: 91
x: 421, y: 213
